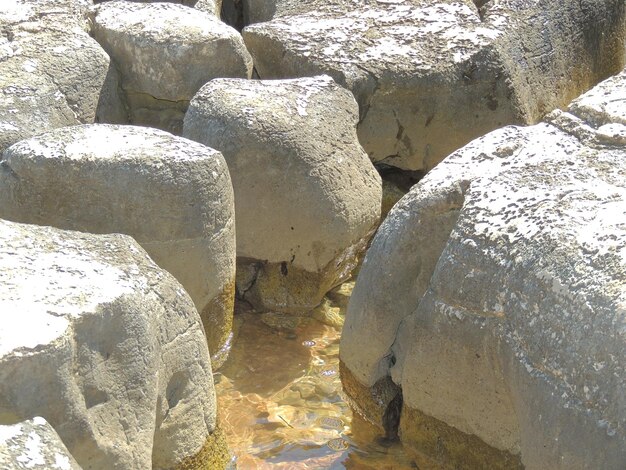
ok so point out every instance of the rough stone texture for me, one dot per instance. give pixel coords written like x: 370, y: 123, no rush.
x: 430, y: 75
x: 172, y: 195
x: 33, y: 444
x: 214, y: 7
x: 306, y: 195
x: 493, y: 295
x: 104, y: 345
x: 53, y: 74
x: 166, y: 52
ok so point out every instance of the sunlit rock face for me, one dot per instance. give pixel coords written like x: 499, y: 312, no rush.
x: 53, y: 73
x: 33, y: 444
x: 493, y: 297
x: 165, y: 53
x: 307, y: 197
x: 431, y: 75
x: 213, y: 7
x: 174, y: 196
x: 104, y: 345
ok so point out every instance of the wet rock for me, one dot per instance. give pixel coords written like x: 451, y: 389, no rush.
x: 495, y: 291
x: 53, y: 73
x: 165, y: 53
x: 33, y: 444
x: 172, y: 195
x: 307, y: 197
x: 431, y: 75
x: 104, y: 345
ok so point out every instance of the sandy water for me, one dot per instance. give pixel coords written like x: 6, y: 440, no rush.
x: 280, y: 399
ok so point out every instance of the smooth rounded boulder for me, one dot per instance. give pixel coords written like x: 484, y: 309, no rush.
x: 165, y: 53
x: 172, y: 195
x: 431, y: 75
x: 307, y: 197
x: 107, y: 347
x: 487, y: 319
x: 53, y: 73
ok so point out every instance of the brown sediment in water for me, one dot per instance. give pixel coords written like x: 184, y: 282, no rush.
x: 213, y: 455
x: 217, y: 318
x: 434, y: 444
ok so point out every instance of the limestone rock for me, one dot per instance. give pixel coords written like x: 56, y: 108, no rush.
x: 53, y: 74
x: 33, y: 444
x: 493, y: 295
x: 172, y: 195
x: 307, y: 197
x: 166, y: 52
x: 214, y: 7
x: 104, y: 345
x: 431, y: 75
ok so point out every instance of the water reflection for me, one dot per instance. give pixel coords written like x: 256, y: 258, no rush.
x: 280, y: 398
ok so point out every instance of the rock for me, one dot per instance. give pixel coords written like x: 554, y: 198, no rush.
x: 33, y: 444
x: 307, y: 198
x: 172, y: 195
x: 104, y: 345
x: 431, y: 75
x: 52, y: 72
x: 495, y: 289
x: 166, y: 52
x: 213, y: 7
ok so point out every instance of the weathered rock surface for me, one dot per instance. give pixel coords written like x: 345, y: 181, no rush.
x: 493, y: 295
x: 174, y: 196
x: 104, y: 345
x: 307, y: 197
x: 214, y: 7
x: 166, y: 52
x: 33, y: 444
x: 53, y: 74
x: 431, y: 75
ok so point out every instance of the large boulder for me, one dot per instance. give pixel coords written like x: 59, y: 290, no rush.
x: 214, y: 7
x: 165, y: 53
x: 174, y: 196
x: 106, y: 346
x: 307, y: 197
x: 53, y: 73
x: 33, y: 444
x: 431, y: 75
x: 489, y: 312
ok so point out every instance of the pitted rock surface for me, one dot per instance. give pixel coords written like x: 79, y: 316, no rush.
x: 53, y: 73
x: 104, y: 345
x: 504, y: 312
x: 307, y: 197
x: 165, y: 53
x: 33, y: 444
x: 213, y: 7
x: 430, y: 75
x: 174, y: 196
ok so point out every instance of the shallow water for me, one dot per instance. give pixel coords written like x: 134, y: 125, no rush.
x: 280, y: 399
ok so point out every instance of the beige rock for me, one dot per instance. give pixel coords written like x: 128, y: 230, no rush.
x: 165, y: 53
x: 493, y: 295
x: 431, y: 75
x: 172, y: 195
x: 33, y: 444
x: 53, y: 74
x: 213, y: 7
x: 104, y: 345
x: 307, y: 198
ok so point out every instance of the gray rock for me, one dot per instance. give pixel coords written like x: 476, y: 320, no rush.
x: 431, y: 75
x: 172, y: 195
x: 214, y: 7
x: 307, y: 197
x: 33, y: 444
x: 495, y: 290
x: 104, y: 345
x: 52, y: 72
x: 165, y: 53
